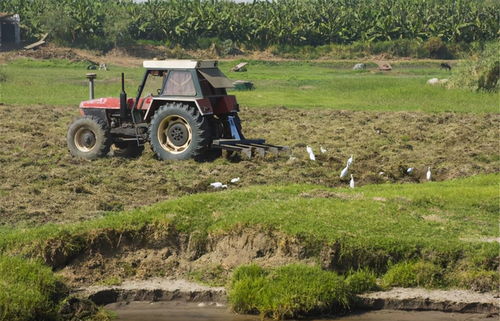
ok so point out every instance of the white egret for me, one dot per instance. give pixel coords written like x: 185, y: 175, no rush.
x: 343, y: 173
x: 429, y: 174
x: 409, y: 171
x: 218, y: 185
x: 235, y: 180
x: 351, y: 183
x: 310, y: 152
x: 349, y: 161
x: 322, y: 150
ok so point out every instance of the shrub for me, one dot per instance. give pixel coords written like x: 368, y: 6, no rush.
x: 479, y: 72
x: 412, y: 274
x: 437, y: 48
x: 476, y: 280
x: 287, y: 291
x: 362, y: 281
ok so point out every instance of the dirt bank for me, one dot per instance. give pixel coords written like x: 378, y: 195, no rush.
x: 165, y: 252
x: 40, y: 182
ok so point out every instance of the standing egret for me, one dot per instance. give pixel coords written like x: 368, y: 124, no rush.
x: 218, y: 185
x: 429, y: 174
x: 343, y: 173
x: 351, y: 183
x: 310, y: 152
x: 322, y: 150
x: 349, y: 161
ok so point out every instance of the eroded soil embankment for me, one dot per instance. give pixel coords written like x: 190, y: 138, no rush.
x: 151, y: 262
x: 164, y: 252
x: 40, y: 182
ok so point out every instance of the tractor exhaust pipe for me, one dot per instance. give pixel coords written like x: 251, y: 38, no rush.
x: 91, y: 78
x: 123, y: 100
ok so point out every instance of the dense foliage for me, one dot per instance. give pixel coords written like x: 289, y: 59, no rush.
x: 197, y: 23
x: 480, y: 72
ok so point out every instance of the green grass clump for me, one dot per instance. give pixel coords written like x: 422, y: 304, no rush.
x: 28, y: 290
x: 362, y: 280
x: 413, y: 274
x: 476, y: 280
x: 286, y: 292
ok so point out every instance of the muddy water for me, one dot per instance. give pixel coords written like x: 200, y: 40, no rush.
x: 179, y: 311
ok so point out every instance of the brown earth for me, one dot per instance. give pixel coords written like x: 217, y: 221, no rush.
x: 41, y: 182
x: 163, y: 252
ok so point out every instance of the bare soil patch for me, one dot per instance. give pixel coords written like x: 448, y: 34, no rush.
x: 41, y: 182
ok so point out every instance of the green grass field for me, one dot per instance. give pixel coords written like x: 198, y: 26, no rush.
x: 331, y: 85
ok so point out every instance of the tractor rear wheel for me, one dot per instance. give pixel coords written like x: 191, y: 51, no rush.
x: 178, y: 132
x: 88, y: 137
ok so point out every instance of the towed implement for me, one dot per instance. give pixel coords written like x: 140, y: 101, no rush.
x: 182, y: 109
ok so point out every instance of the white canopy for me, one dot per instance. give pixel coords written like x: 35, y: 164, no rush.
x: 178, y: 64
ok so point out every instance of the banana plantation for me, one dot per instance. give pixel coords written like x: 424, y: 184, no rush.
x: 189, y: 23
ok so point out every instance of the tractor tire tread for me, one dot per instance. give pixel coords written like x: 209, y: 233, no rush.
x: 200, y: 129
x: 105, y: 144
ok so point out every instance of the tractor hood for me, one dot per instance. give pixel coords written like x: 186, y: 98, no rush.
x: 108, y: 103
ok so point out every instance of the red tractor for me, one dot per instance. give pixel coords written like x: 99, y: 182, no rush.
x: 187, y: 114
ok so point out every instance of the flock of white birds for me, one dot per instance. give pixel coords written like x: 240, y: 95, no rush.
x: 343, y: 173
x: 350, y: 160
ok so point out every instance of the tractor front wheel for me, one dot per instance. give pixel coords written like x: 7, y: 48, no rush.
x: 178, y: 132
x: 89, y: 138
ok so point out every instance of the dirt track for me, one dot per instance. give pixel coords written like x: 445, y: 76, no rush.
x: 40, y: 182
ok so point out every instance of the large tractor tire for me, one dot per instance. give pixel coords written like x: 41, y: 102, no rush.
x: 88, y: 137
x: 128, y: 149
x: 179, y: 132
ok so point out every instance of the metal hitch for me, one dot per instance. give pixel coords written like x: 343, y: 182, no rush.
x: 249, y: 147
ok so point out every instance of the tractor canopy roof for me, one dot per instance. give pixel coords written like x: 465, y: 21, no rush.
x: 208, y: 68
x: 178, y: 64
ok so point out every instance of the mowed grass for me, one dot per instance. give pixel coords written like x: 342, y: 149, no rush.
x: 442, y: 221
x: 287, y: 83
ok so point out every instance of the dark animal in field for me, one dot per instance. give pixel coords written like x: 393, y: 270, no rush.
x: 445, y: 66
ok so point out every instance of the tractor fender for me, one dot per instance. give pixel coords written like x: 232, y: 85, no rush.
x: 99, y: 113
x: 203, y: 105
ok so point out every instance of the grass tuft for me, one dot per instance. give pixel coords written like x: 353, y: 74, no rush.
x: 287, y: 292
x: 476, y: 280
x: 361, y: 281
x: 413, y: 274
x: 28, y: 290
